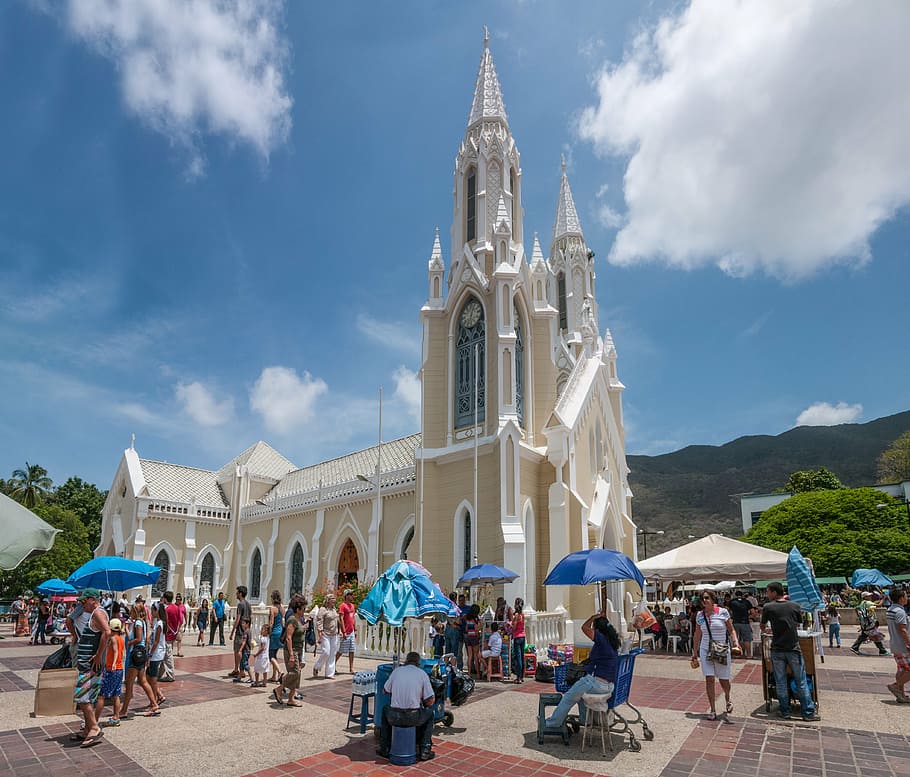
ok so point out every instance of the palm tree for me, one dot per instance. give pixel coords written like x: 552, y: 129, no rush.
x: 29, y: 486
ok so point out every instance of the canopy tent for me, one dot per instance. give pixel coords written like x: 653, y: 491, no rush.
x: 831, y: 580
x: 761, y: 585
x: 869, y: 577
x: 22, y: 534
x: 900, y: 578
x: 715, y: 557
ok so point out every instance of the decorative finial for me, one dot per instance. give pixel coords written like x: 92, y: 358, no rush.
x: 563, y: 158
x: 132, y: 442
x: 437, y: 233
x: 486, y: 37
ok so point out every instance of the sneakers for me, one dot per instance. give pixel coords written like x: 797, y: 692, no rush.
x: 784, y: 715
x: 854, y: 649
x: 901, y: 697
x: 426, y: 754
x: 812, y: 716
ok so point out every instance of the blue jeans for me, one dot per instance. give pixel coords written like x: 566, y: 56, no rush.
x: 518, y: 657
x: 587, y: 684
x: 833, y: 634
x: 780, y: 660
x: 453, y: 644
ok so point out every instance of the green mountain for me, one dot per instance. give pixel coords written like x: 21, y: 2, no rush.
x: 693, y: 490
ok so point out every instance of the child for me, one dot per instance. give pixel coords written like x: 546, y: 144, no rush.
x: 243, y: 642
x: 261, y: 661
x: 439, y: 639
x: 112, y: 679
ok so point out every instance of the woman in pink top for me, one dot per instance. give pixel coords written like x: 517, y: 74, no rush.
x: 518, y: 641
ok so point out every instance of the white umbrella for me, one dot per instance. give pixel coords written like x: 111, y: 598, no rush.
x: 22, y: 534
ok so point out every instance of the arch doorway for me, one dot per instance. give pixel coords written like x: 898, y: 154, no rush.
x: 348, y: 564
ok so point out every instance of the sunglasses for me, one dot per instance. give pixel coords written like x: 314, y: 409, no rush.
x: 706, y: 598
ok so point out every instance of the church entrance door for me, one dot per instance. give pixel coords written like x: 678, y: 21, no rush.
x: 348, y: 564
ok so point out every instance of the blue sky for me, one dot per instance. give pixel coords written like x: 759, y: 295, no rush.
x: 215, y: 219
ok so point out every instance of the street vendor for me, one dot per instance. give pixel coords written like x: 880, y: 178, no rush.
x: 411, y: 705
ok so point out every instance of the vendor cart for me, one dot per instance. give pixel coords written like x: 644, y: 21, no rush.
x: 442, y: 690
x: 807, y: 646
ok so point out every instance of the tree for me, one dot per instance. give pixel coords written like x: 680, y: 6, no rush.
x: 70, y: 551
x: 31, y: 485
x: 840, y: 530
x: 821, y: 479
x: 894, y: 464
x: 86, y: 501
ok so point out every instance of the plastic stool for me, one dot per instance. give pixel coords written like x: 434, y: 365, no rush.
x: 490, y: 673
x: 549, y: 700
x: 364, y: 716
x: 404, y: 746
x: 597, y: 711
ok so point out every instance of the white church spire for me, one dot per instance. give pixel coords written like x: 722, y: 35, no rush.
x: 487, y: 102
x: 436, y: 262
x: 567, y: 222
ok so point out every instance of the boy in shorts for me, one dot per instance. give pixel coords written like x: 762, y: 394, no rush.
x: 112, y: 678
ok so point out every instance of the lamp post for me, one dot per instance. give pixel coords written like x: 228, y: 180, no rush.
x: 644, y: 534
x: 377, y: 483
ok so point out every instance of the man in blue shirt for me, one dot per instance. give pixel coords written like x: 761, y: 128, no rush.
x: 217, y: 619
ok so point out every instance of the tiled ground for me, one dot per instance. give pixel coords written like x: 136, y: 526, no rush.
x: 48, y: 752
x: 757, y: 749
x: 10, y: 681
x: 452, y: 760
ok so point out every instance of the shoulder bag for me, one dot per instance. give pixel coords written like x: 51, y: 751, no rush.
x: 717, y: 651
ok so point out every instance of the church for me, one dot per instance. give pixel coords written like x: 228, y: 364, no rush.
x: 520, y: 458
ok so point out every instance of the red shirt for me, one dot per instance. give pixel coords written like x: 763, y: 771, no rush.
x: 346, y: 611
x: 174, y: 622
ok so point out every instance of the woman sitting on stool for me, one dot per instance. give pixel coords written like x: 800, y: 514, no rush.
x: 602, y: 666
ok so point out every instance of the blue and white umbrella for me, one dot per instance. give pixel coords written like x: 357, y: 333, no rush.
x: 55, y: 587
x: 801, y: 583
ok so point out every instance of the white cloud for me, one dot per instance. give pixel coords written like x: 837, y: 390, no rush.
x: 189, y: 67
x: 394, y: 335
x: 407, y: 391
x: 139, y: 413
x: 284, y: 399
x: 761, y: 136
x: 609, y: 217
x: 200, y: 404
x: 756, y: 326
x: 826, y: 414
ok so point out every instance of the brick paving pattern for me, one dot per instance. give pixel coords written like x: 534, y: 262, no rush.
x: 48, y: 752
x: 756, y: 749
x: 452, y: 760
x: 10, y: 681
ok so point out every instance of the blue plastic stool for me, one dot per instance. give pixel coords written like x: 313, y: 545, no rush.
x: 364, y: 716
x: 404, y: 746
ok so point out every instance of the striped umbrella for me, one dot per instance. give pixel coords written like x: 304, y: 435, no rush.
x: 801, y: 582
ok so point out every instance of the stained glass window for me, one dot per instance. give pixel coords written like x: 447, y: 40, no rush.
x: 255, y: 575
x: 207, y: 575
x: 469, y: 339
x: 163, y: 562
x: 296, y: 570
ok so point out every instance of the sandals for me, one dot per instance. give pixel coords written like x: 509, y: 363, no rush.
x: 92, y: 741
x: 278, y: 695
x: 711, y: 716
x: 729, y: 707
x: 151, y: 714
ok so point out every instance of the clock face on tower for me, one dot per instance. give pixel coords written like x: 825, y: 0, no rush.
x: 471, y: 314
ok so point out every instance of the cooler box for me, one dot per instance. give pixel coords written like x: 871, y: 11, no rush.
x: 54, y: 692
x: 384, y: 671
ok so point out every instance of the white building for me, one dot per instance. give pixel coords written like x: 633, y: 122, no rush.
x: 516, y: 376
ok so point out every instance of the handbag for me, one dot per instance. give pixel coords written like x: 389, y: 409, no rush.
x: 717, y: 651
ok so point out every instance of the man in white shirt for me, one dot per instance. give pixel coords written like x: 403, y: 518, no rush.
x: 411, y: 705
x: 494, y: 646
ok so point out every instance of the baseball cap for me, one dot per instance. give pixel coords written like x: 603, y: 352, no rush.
x: 116, y: 625
x: 867, y: 593
x: 89, y: 593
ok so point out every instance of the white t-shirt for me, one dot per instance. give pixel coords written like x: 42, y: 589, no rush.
x: 409, y: 686
x: 718, y: 627
x: 158, y: 650
x: 495, y: 647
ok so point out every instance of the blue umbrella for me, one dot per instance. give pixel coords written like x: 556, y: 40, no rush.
x: 484, y: 574
x: 55, y: 587
x: 869, y: 577
x: 801, y: 583
x: 113, y: 573
x: 596, y: 565
x: 404, y: 591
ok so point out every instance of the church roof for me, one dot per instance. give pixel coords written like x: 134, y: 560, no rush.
x: 537, y: 260
x: 487, y: 102
x: 176, y: 483
x: 396, y: 454
x: 567, y: 222
x: 260, y: 459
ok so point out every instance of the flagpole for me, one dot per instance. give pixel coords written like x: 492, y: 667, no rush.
x: 476, y: 435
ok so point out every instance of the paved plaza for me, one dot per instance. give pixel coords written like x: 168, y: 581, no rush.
x: 212, y: 725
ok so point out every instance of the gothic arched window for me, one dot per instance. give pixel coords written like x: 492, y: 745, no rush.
x: 470, y: 353
x: 163, y: 562
x: 471, y: 206
x: 519, y: 368
x: 296, y: 575
x: 256, y: 575
x: 207, y: 574
x: 467, y: 542
x: 408, y: 539
x: 561, y: 299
